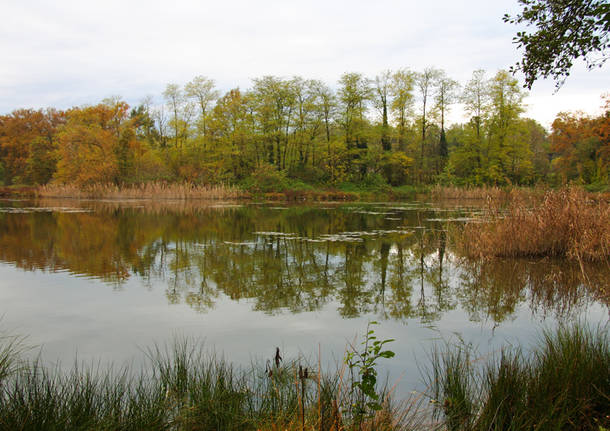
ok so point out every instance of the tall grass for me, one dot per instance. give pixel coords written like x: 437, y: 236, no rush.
x: 184, y: 191
x: 454, y: 192
x: 563, y: 384
x: 186, y: 389
x: 17, y: 191
x: 497, y: 194
x: 11, y: 348
x: 152, y: 190
x: 451, y: 381
x: 566, y: 223
x: 310, y: 195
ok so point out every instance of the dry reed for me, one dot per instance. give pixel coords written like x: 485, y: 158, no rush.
x: 567, y: 223
x: 494, y: 193
x: 454, y: 192
x: 19, y: 191
x: 152, y: 190
x: 144, y: 206
x: 310, y: 195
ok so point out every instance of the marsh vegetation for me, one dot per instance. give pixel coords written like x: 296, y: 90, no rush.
x: 563, y: 382
x: 567, y: 223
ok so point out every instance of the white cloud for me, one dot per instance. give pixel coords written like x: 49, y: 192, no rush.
x: 63, y: 53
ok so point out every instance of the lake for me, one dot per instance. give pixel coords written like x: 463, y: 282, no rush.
x: 103, y: 281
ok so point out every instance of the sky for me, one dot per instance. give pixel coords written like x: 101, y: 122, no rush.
x: 65, y: 53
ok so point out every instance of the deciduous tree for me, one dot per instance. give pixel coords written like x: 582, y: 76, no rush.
x: 402, y: 102
x: 446, y: 94
x: 382, y: 91
x: 565, y: 30
x: 425, y: 82
x: 354, y: 94
x: 202, y: 91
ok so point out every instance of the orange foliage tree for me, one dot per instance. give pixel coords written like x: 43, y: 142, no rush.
x: 581, y: 145
x: 27, y: 145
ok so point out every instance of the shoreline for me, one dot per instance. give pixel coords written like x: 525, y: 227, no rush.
x: 214, y: 193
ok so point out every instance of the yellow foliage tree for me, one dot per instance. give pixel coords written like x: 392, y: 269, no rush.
x: 90, y: 144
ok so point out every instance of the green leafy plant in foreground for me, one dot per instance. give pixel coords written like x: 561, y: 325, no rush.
x: 362, y: 365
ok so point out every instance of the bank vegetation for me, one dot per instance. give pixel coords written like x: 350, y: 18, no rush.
x: 561, y: 383
x: 567, y: 223
x: 295, y: 134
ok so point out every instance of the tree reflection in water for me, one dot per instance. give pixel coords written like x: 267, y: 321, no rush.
x: 364, y: 259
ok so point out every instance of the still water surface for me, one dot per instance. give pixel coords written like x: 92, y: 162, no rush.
x: 102, y: 281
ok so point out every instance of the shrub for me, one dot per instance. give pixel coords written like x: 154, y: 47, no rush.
x: 264, y: 179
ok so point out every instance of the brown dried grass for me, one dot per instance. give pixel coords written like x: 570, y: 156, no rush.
x: 17, y: 191
x: 494, y: 193
x: 567, y: 223
x: 152, y: 190
x: 311, y: 195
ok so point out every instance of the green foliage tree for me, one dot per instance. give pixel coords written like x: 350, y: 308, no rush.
x: 565, y: 30
x: 234, y: 156
x: 401, y: 89
x: 425, y: 82
x: 325, y: 104
x: 181, y: 113
x: 475, y: 98
x: 446, y: 94
x: 506, y: 100
x: 497, y: 146
x: 144, y: 124
x: 354, y: 95
x: 274, y: 100
x: 202, y: 91
x: 382, y: 92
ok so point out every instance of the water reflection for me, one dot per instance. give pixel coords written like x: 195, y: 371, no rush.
x: 396, y: 262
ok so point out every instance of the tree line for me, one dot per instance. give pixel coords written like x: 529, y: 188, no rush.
x: 390, y: 129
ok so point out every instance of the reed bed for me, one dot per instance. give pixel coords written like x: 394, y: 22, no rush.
x: 493, y: 193
x: 454, y: 192
x: 152, y: 190
x: 18, y: 191
x: 566, y: 223
x: 183, y: 191
x: 311, y: 195
x: 148, y: 206
x: 563, y: 384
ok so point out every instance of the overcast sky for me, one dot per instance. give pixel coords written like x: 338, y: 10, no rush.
x: 64, y: 53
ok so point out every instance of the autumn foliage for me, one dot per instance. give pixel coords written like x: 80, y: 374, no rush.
x: 27, y: 142
x: 303, y: 135
x: 581, y: 144
x: 89, y: 143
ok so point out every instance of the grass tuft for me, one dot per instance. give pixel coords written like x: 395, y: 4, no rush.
x: 563, y: 384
